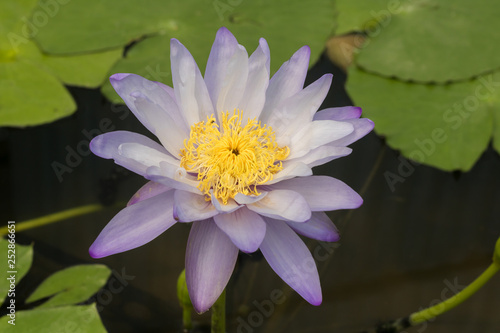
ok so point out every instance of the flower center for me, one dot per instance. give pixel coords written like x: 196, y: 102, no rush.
x: 232, y: 158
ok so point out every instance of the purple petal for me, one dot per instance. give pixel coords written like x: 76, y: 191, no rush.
x: 227, y: 71
x: 189, y: 207
x: 287, y: 81
x: 166, y: 130
x: 210, y: 260
x: 254, y: 97
x: 190, y: 90
x: 230, y: 207
x: 223, y: 48
x: 283, y: 205
x: 243, y: 199
x: 110, y: 145
x: 149, y: 190
x: 291, y: 169
x: 362, y: 127
x: 322, y: 155
x: 318, y: 227
x: 172, y: 176
x: 299, y: 109
x: 342, y: 113
x: 317, y: 133
x: 126, y: 84
x: 135, y: 226
x: 245, y: 228
x: 290, y: 258
x: 322, y: 193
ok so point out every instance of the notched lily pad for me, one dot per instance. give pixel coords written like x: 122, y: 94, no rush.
x: 445, y: 126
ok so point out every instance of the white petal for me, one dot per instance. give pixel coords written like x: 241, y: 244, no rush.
x: 248, y: 199
x: 230, y: 207
x: 189, y: 207
x: 158, y: 93
x: 245, y: 228
x: 315, y: 134
x: 322, y: 193
x: 107, y: 145
x: 190, y: 90
x: 254, y: 97
x: 172, y: 176
x: 290, y: 170
x: 300, y: 108
x: 287, y: 81
x: 322, y: 155
x: 283, y: 205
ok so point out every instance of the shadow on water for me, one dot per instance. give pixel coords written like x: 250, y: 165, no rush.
x: 401, y: 251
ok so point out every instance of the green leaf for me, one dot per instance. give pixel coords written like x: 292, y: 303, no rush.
x: 72, y: 285
x: 86, y: 70
x: 450, y: 46
x: 31, y: 96
x: 446, y: 126
x: 286, y: 25
x: 12, y: 27
x: 360, y: 15
x: 23, y: 259
x: 81, y: 319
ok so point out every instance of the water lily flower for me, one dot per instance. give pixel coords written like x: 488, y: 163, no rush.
x: 235, y: 156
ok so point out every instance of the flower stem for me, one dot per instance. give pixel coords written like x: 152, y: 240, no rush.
x: 450, y: 303
x: 219, y: 314
x: 55, y: 217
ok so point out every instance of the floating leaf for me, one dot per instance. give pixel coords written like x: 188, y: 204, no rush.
x: 72, y: 285
x: 81, y: 319
x: 361, y: 15
x: 429, y: 40
x: 87, y: 70
x: 286, y: 26
x: 31, y: 83
x: 446, y: 126
x: 23, y: 257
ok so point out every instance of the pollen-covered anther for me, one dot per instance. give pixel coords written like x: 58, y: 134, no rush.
x: 232, y: 158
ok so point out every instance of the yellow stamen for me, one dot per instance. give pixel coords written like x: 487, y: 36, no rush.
x: 232, y: 159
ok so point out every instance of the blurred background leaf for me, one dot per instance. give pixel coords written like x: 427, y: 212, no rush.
x: 427, y: 73
x: 23, y: 260
x: 72, y: 285
x: 82, y: 319
x: 32, y: 88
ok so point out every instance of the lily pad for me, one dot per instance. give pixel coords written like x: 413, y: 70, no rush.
x: 427, y: 40
x: 361, y: 15
x: 23, y: 257
x: 32, y: 88
x: 286, y: 26
x: 82, y: 319
x: 445, y: 126
x: 72, y: 285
